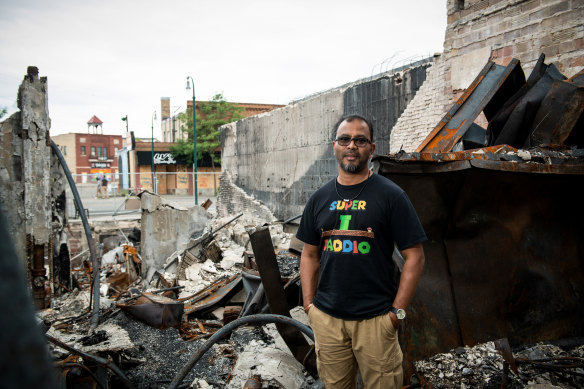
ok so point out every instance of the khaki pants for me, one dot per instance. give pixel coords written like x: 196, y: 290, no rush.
x: 371, y: 344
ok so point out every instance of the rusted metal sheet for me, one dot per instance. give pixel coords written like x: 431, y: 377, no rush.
x: 504, y: 255
x: 212, y: 295
x: 517, y: 127
x: 487, y: 93
x: 265, y: 257
x: 558, y: 115
x: 157, y: 311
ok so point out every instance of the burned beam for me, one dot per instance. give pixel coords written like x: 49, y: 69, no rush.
x: 265, y: 257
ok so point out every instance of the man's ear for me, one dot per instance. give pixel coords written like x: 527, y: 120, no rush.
x: 372, y: 150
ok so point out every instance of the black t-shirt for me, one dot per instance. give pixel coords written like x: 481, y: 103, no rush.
x: 356, y: 240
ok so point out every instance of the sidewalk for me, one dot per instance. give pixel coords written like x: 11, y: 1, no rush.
x: 103, y: 209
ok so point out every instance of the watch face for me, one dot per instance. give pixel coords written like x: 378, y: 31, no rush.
x: 401, y: 314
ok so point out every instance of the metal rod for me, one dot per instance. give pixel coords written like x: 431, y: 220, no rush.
x: 90, y: 242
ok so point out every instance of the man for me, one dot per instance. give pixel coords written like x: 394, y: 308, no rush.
x: 104, y: 193
x: 349, y: 227
x: 98, y: 192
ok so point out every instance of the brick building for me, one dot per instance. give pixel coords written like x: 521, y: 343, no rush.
x: 170, y: 124
x: 90, y: 154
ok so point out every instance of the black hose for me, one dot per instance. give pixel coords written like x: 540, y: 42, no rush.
x: 226, y: 330
x: 92, y: 253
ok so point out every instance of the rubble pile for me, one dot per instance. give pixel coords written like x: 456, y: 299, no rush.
x: 150, y: 327
x: 545, y: 364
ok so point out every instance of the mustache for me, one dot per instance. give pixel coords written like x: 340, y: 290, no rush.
x: 350, y: 153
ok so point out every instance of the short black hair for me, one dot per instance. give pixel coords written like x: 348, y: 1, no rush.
x: 350, y: 118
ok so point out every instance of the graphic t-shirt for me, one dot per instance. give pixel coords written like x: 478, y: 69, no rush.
x: 356, y: 238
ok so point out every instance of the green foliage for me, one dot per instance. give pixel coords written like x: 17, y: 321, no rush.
x: 3, y: 111
x: 210, y: 116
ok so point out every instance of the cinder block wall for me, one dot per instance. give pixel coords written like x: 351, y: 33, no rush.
x: 280, y: 158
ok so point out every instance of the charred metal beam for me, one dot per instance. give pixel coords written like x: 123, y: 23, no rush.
x: 265, y: 257
x: 487, y: 93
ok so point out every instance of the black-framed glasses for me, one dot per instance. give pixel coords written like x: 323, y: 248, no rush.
x: 346, y: 140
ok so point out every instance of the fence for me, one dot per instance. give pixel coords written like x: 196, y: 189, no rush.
x: 165, y: 183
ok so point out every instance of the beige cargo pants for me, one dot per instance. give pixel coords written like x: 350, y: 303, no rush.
x: 342, y: 345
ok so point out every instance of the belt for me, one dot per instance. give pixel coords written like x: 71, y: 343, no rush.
x: 368, y: 234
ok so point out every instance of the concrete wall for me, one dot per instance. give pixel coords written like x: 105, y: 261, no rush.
x: 32, y: 189
x: 166, y: 227
x: 280, y: 158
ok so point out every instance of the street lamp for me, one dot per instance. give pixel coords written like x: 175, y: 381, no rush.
x: 152, y: 139
x: 125, y: 119
x: 195, y: 188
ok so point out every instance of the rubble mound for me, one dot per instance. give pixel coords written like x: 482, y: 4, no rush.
x: 482, y: 366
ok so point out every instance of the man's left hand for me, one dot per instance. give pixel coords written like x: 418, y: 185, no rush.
x: 394, y: 320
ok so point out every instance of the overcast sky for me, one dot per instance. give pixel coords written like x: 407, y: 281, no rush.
x: 116, y: 58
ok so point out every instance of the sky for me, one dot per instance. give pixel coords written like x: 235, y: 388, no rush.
x: 116, y: 58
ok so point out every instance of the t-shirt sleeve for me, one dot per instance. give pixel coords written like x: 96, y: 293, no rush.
x: 307, y: 230
x: 406, y: 226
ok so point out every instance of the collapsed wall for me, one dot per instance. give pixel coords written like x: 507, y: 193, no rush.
x: 281, y: 157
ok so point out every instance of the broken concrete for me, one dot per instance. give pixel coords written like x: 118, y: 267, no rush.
x: 32, y: 187
x: 166, y: 227
x: 482, y: 366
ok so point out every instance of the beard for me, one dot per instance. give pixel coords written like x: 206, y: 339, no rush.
x: 355, y: 167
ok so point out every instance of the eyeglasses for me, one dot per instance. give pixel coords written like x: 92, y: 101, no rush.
x: 346, y: 140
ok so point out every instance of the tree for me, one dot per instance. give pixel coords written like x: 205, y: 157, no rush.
x: 210, y: 116
x: 4, y: 111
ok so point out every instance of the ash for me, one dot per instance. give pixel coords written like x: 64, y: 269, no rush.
x: 289, y: 264
x: 162, y: 353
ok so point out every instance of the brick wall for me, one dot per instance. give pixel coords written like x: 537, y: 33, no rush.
x: 519, y: 29
x: 426, y: 109
x: 497, y: 30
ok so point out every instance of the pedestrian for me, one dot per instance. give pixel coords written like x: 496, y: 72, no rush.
x: 349, y: 228
x: 104, y: 182
x: 98, y: 192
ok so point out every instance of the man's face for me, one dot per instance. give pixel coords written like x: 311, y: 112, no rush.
x: 351, y: 158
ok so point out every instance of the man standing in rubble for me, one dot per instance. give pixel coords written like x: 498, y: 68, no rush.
x: 349, y: 227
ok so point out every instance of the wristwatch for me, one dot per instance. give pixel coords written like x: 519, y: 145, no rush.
x: 400, y: 313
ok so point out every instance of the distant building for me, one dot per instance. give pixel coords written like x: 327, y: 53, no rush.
x: 171, y: 125
x: 90, y: 154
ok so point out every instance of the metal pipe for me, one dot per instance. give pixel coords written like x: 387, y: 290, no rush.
x: 90, y: 357
x: 226, y: 330
x: 195, y: 187
x: 92, y: 250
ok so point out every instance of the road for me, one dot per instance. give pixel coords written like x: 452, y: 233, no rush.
x: 105, y: 208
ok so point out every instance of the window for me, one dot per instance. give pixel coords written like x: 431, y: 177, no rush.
x: 116, y: 150
x: 64, y: 150
x: 116, y: 141
x: 99, y: 151
x: 82, y: 150
x: 105, y: 152
x: 93, y: 151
